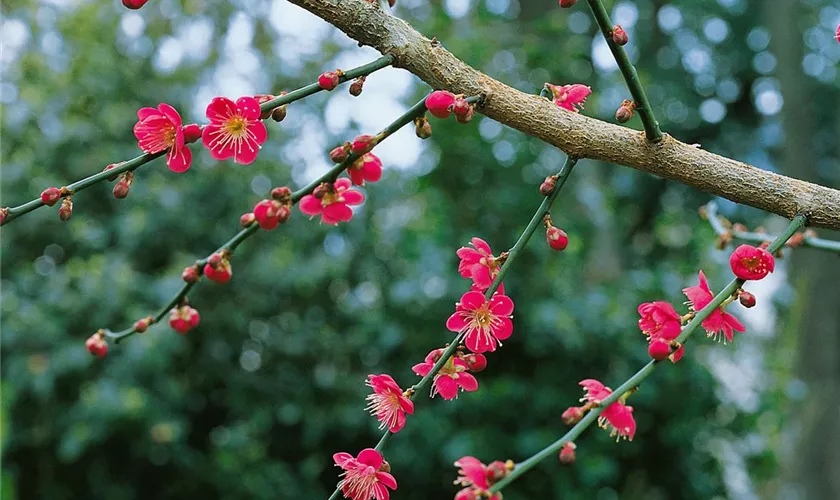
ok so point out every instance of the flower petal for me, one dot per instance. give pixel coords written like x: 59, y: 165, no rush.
x: 472, y: 300
x: 467, y: 382
x: 501, y: 305
x: 456, y: 322
x: 504, y: 329
x: 310, y: 205
x: 446, y: 387
x: 387, y: 479
x: 179, y: 160
x: 370, y: 457
x: 353, y: 197
x: 338, y: 212
x: 341, y: 458
x: 249, y: 107
x: 481, y: 246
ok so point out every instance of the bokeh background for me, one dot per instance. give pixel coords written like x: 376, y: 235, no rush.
x: 254, y: 402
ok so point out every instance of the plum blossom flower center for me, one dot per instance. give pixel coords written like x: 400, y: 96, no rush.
x: 755, y: 264
x: 236, y: 126
x: 359, y: 480
x: 386, y: 407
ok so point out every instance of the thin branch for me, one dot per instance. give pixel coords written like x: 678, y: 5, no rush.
x: 807, y: 241
x: 544, y: 208
x: 652, y: 131
x: 13, y: 213
x: 578, y: 135
x: 646, y: 370
x: 417, y: 110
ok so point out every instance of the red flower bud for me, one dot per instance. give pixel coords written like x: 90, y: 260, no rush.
x: 363, y: 144
x: 567, y: 453
x: 222, y: 272
x: 567, y: 3
x: 321, y: 190
x: 476, y: 362
x: 65, y: 211
x: 97, y: 345
x: 496, y: 471
x: 619, y: 36
x: 356, y: 86
x: 143, y: 324
x: 281, y: 193
x: 746, y: 299
x: 329, y: 80
x: 190, y: 274
x: 548, y: 185
x: 461, y: 107
x: 440, y: 103
x: 266, y: 214
x: 557, y: 238
x: 572, y: 415
x: 422, y: 127
x: 110, y: 167
x: 626, y: 111
x: 134, y: 4
x: 339, y: 154
x: 261, y: 98
x: 466, y: 117
x: 283, y: 213
x: 183, y: 319
x: 50, y: 196
x: 192, y: 133
x: 246, y: 220
x: 121, y: 189
x: 659, y: 349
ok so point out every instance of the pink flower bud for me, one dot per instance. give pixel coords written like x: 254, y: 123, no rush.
x: 572, y: 415
x: 496, y: 471
x: 246, y: 220
x: 548, y: 185
x: 321, y: 190
x: 214, y: 260
x: 567, y: 453
x: 111, y: 167
x: 222, y: 272
x: 65, y: 211
x: 619, y: 36
x: 466, y: 117
x: 183, y: 319
x: 440, y: 103
x: 190, y: 274
x: 746, y: 299
x: 422, y: 127
x: 659, y: 349
x: 567, y: 3
x: 625, y: 112
x: 121, y: 189
x: 363, y: 144
x: 134, y: 4
x: 192, y: 133
x: 356, y: 86
x: 476, y: 362
x: 329, y: 80
x: 261, y: 98
x: 461, y: 108
x: 50, y: 196
x: 143, y: 324
x: 281, y: 193
x: 468, y: 493
x: 339, y: 154
x: 557, y: 238
x: 96, y: 345
x: 266, y: 214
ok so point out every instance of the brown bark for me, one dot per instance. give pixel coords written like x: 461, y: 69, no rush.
x: 575, y: 134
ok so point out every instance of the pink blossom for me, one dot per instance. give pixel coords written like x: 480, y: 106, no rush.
x: 388, y: 403
x: 363, y: 476
x: 235, y: 130
x: 333, y: 204
x: 485, y: 322
x: 366, y: 168
x: 719, y: 321
x: 751, y: 263
x: 478, y: 264
x: 451, y: 376
x: 473, y: 475
x: 570, y: 97
x: 617, y: 417
x: 661, y: 324
x: 161, y: 129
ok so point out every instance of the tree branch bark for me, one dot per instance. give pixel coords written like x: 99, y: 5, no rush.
x: 575, y: 134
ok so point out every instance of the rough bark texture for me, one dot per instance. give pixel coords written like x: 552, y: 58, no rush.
x: 575, y: 134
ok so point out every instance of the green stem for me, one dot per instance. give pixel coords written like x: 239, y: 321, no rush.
x: 295, y: 95
x: 652, y: 131
x: 417, y: 110
x: 646, y: 370
x: 513, y: 253
x: 810, y: 242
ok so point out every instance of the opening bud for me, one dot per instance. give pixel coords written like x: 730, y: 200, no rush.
x: 143, y: 324
x: 567, y: 453
x: 50, y: 196
x: 556, y: 238
x: 463, y: 110
x: 222, y: 272
x: 247, y: 219
x: 65, y: 211
x: 96, y: 344
x: 330, y: 79
x: 572, y: 415
x: 190, y: 274
x: 183, y: 319
x: 339, y: 154
x: 496, y: 471
x: 192, y: 133
x: 363, y: 144
x: 281, y: 193
x: 322, y: 190
x: 475, y: 362
x: 619, y: 36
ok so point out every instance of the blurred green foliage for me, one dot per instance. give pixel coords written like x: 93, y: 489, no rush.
x: 254, y: 402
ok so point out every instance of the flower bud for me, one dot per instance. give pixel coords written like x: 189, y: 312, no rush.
x: 220, y: 274
x: 567, y: 3
x: 121, y: 189
x: 329, y: 80
x: 261, y: 98
x: 246, y: 220
x: 557, y: 238
x: 363, y: 144
x: 385, y: 467
x: 65, y: 211
x: 215, y: 260
x: 625, y: 112
x: 4, y: 212
x: 356, y: 86
x: 339, y: 154
x: 134, y: 4
x: 266, y: 214
x: 496, y: 471
x: 462, y: 108
x: 143, y: 324
x: 440, y: 103
x: 190, y: 274
x: 467, y: 117
x: 548, y: 185
x: 468, y: 493
x: 50, y: 196
x: 183, y: 319
x: 619, y: 36
x: 283, y: 213
x: 192, y: 133
x: 422, y: 127
x: 746, y: 299
x: 659, y: 350
x: 321, y: 190
x: 281, y: 193
x: 279, y: 113
x: 96, y: 345
x: 567, y: 453
x: 476, y: 362
x: 572, y: 415
x: 111, y: 167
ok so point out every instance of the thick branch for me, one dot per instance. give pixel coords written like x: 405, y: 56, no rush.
x: 578, y: 135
